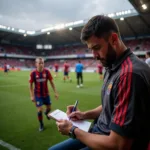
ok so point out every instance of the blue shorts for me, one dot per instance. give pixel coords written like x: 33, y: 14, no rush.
x: 65, y: 73
x: 42, y: 101
x: 56, y: 70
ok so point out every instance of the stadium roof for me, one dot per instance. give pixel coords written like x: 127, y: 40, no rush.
x: 142, y: 6
x: 39, y: 14
x: 132, y: 24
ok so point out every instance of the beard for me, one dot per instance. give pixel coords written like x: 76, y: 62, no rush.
x: 110, y: 57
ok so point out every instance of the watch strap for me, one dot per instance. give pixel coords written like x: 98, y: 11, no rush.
x: 71, y: 132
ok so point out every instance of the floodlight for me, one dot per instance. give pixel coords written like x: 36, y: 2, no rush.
x: 30, y: 32
x: 3, y: 27
x: 144, y: 6
x: 22, y: 31
x: 47, y: 29
x: 121, y: 18
x: 39, y: 46
x: 78, y: 22
x: 69, y: 24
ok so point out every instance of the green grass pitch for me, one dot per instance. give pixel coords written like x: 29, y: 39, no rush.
x: 18, y: 116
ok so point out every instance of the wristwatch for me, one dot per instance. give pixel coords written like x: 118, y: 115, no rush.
x: 71, y: 132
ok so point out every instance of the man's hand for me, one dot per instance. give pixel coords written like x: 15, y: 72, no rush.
x: 76, y: 115
x: 56, y: 95
x: 32, y: 99
x: 64, y: 126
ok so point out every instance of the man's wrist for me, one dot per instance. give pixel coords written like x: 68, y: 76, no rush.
x: 72, y: 133
x: 84, y: 115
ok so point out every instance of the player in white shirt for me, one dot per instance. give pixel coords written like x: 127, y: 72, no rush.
x: 147, y: 58
x: 8, y: 67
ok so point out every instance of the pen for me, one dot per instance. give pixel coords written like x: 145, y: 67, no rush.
x: 74, y: 107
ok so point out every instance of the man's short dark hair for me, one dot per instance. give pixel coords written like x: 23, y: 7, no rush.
x: 99, y: 26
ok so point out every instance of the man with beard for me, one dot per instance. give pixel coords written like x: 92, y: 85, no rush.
x: 122, y: 121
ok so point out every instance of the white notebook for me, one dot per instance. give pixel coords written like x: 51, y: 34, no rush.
x: 58, y: 114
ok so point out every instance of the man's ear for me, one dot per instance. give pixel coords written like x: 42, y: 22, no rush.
x: 114, y: 38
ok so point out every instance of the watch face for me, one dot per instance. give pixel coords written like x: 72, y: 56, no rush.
x: 71, y: 134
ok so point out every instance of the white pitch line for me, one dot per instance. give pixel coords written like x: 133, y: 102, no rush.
x: 7, y: 145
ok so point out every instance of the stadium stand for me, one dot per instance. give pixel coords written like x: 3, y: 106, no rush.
x: 20, y: 51
x: 79, y: 51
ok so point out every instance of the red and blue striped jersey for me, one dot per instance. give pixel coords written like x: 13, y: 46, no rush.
x: 5, y: 67
x: 66, y: 67
x: 40, y: 80
x: 56, y: 66
x: 100, y: 68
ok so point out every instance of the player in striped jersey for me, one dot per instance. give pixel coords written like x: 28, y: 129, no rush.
x: 100, y: 70
x: 66, y: 72
x: 40, y: 94
x: 56, y: 66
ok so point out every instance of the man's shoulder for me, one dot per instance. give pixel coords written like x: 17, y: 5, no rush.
x: 132, y: 63
x: 134, y: 66
x: 46, y: 70
x: 33, y: 71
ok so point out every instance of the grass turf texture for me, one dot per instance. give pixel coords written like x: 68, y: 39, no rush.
x: 18, y: 116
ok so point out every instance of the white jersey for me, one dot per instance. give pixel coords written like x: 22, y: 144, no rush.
x: 148, y: 61
x: 8, y: 66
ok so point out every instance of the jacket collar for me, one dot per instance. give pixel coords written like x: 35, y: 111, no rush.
x: 119, y: 61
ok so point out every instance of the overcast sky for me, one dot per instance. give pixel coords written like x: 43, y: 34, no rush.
x: 38, y: 14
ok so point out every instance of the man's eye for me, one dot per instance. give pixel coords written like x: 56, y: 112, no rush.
x: 96, y: 48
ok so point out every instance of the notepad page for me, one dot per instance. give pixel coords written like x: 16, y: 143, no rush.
x: 83, y: 125
x: 58, y: 115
